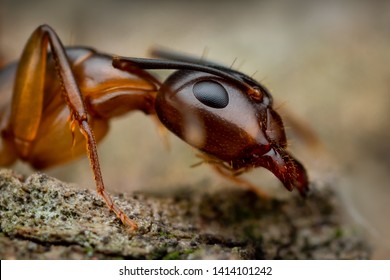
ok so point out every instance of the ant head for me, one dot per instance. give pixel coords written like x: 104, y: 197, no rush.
x: 225, y: 114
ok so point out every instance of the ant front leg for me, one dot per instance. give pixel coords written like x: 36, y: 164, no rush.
x: 225, y: 171
x: 233, y: 177
x: 28, y: 101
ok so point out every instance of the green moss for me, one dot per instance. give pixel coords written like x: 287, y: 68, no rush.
x: 177, y: 255
x: 173, y: 256
x: 189, y: 251
x: 89, y: 251
x: 338, y: 232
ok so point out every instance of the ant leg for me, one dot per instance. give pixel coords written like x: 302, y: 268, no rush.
x: 221, y: 170
x: 27, y: 103
x: 94, y: 161
x: 225, y: 171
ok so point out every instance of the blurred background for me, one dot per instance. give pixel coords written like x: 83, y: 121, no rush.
x: 326, y: 62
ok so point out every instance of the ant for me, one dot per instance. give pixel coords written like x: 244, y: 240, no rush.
x: 223, y: 113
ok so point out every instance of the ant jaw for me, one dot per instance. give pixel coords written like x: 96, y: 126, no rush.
x: 286, y: 168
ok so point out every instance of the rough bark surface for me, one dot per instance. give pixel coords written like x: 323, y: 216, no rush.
x: 43, y: 218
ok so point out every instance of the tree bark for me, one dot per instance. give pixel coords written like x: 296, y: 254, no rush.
x: 43, y: 218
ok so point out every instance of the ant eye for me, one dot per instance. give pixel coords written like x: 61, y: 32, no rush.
x: 211, y: 93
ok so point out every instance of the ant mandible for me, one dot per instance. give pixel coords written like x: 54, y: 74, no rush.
x: 223, y: 113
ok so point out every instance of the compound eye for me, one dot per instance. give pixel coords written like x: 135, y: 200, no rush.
x: 211, y: 93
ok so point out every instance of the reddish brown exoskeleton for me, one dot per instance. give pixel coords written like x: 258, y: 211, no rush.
x: 225, y: 114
